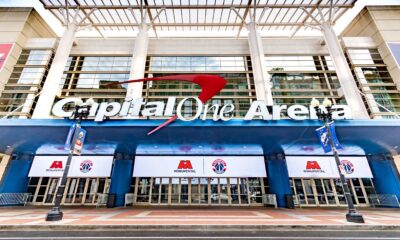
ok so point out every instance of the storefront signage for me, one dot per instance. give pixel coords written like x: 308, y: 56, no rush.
x: 199, y: 166
x: 138, y: 107
x: 325, y: 167
x: 5, y: 50
x: 81, y: 166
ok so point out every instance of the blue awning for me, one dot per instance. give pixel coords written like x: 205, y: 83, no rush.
x: 28, y: 135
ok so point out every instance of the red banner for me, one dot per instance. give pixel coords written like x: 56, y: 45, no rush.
x: 5, y: 49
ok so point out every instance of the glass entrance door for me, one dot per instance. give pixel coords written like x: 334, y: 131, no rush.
x: 78, y: 191
x: 329, y: 192
x: 199, y: 191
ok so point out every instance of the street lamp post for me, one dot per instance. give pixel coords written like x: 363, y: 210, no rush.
x: 326, y: 116
x: 81, y: 111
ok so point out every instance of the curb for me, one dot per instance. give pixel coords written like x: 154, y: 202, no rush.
x: 355, y: 227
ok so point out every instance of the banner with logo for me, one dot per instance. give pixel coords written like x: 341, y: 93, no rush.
x: 199, y: 166
x: 81, y: 166
x: 325, y: 167
x: 5, y: 50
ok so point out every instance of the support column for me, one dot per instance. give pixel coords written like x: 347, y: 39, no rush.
x: 138, y: 63
x: 15, y: 178
x: 278, y: 178
x: 121, y: 179
x: 52, y: 84
x: 346, y: 79
x: 262, y: 80
x: 386, y: 176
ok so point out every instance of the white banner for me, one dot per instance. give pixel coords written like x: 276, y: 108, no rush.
x: 325, y: 167
x: 81, y: 166
x: 199, y: 166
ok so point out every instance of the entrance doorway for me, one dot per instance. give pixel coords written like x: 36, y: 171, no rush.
x: 78, y: 191
x: 199, y: 191
x: 329, y: 192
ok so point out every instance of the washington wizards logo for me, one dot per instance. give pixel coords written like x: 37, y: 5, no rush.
x: 347, y: 166
x: 86, y: 166
x: 219, y: 166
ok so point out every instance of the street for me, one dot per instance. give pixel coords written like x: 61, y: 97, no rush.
x: 193, y: 235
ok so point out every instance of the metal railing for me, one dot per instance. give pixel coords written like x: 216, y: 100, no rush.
x: 9, y: 199
x: 384, y: 200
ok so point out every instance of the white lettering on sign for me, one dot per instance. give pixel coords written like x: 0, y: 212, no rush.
x: 138, y: 107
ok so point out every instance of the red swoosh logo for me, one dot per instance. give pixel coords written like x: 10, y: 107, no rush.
x: 210, y: 86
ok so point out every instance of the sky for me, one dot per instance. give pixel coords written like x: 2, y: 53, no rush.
x: 58, y: 28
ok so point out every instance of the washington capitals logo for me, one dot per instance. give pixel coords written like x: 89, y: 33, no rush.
x: 219, y: 166
x: 210, y: 86
x: 347, y: 166
x: 86, y: 166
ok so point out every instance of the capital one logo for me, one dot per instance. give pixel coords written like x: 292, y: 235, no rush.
x: 185, y: 164
x: 312, y: 165
x: 210, y: 85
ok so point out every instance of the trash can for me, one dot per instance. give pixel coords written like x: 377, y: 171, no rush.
x: 111, y: 200
x: 289, y: 201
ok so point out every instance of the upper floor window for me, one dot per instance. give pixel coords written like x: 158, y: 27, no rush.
x: 197, y: 64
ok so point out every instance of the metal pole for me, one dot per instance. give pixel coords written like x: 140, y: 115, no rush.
x: 55, y: 213
x: 352, y: 215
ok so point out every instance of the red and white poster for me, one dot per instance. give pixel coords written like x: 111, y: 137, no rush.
x: 5, y: 50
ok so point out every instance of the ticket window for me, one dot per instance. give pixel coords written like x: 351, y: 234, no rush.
x: 329, y: 192
x: 79, y: 191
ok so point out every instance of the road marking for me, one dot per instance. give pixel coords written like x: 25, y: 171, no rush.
x: 191, y: 237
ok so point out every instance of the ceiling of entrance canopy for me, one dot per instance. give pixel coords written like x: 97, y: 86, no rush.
x: 198, y: 18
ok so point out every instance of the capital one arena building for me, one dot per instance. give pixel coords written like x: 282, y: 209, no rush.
x: 252, y: 142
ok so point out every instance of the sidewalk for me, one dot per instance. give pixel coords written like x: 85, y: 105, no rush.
x: 142, y: 218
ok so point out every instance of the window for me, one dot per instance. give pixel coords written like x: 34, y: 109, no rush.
x: 239, y: 90
x: 298, y: 79
x: 378, y: 88
x: 26, y: 80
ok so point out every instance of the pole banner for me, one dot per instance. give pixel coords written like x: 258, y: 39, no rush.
x: 80, y: 139
x: 323, y: 138
x: 333, y: 134
x: 70, y: 135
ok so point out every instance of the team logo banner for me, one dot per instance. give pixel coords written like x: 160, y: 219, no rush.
x: 5, y: 50
x: 199, y: 166
x: 324, y: 140
x: 325, y: 167
x: 81, y: 166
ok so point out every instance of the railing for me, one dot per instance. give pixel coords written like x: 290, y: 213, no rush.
x: 270, y: 199
x: 9, y: 199
x: 384, y: 200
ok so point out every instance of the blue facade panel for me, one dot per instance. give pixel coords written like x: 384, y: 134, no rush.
x: 278, y: 178
x: 16, y: 177
x: 121, y: 180
x: 386, y: 178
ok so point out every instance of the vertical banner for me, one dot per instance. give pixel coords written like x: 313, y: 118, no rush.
x: 80, y: 139
x: 5, y: 49
x: 333, y: 134
x: 323, y: 138
x: 70, y: 136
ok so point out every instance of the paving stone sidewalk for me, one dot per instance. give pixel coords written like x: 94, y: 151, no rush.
x: 30, y: 216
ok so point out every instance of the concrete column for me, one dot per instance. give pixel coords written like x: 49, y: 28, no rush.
x: 262, y: 80
x: 347, y: 82
x: 138, y: 63
x: 52, y: 84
